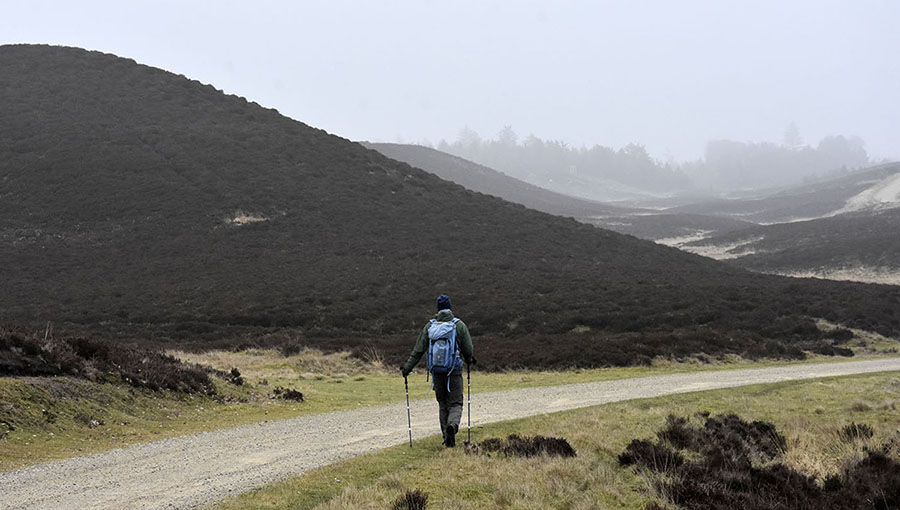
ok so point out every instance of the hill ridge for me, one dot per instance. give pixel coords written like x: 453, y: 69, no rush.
x: 492, y: 182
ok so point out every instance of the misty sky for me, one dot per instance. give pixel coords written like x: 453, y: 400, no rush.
x: 668, y: 74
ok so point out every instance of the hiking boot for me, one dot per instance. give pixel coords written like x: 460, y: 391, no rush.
x: 450, y: 440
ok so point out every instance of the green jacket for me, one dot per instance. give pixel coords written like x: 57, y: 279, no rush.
x: 463, y: 339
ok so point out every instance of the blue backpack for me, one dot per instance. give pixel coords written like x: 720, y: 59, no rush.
x: 443, y: 353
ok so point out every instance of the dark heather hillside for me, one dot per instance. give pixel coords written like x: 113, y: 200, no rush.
x: 142, y: 205
x: 868, y: 239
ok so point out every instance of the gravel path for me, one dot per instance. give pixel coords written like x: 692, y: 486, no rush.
x: 188, y: 471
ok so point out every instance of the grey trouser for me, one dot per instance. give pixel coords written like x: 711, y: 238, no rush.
x: 451, y: 403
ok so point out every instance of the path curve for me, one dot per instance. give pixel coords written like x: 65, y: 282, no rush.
x: 189, y: 471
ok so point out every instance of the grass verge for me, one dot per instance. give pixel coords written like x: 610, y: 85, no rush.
x: 810, y: 414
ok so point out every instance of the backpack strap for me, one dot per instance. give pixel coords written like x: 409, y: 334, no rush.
x: 428, y: 356
x: 453, y: 336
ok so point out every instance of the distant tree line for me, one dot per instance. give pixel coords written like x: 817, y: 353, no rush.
x: 737, y: 165
x: 538, y: 161
x: 726, y: 164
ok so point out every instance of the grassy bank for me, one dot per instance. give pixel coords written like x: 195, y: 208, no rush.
x: 61, y: 417
x: 809, y: 414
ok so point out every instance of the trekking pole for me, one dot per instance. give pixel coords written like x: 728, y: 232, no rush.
x: 408, y: 417
x: 469, y: 400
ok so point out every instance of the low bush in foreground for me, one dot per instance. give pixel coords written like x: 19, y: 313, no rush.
x: 856, y: 431
x: 528, y: 446
x: 738, y: 464
x: 287, y: 394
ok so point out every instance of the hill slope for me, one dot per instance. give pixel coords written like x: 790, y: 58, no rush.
x: 850, y: 231
x: 862, y: 246
x: 870, y: 189
x: 489, y: 181
x: 137, y: 202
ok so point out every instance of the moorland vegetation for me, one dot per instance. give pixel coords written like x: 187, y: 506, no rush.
x: 27, y: 353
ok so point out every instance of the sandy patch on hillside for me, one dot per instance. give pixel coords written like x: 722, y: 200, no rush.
x: 242, y: 218
x: 885, y: 194
x: 863, y: 274
x: 725, y: 251
x: 678, y: 241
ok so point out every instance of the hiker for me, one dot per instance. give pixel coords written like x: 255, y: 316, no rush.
x: 446, y: 340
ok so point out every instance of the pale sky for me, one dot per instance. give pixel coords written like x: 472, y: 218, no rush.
x: 668, y: 74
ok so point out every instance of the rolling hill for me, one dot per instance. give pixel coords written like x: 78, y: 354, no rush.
x: 870, y: 189
x: 861, y: 246
x: 142, y: 205
x: 851, y: 229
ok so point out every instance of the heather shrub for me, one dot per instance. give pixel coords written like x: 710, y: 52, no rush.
x: 854, y: 431
x: 412, y: 500
x: 735, y: 463
x: 528, y: 446
x: 25, y: 353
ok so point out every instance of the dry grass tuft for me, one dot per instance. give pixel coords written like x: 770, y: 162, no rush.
x: 271, y: 364
x: 860, y: 407
x: 390, y: 481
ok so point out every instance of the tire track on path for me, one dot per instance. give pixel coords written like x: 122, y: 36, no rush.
x: 193, y: 470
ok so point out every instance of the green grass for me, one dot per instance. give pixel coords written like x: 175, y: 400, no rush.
x: 808, y: 414
x: 52, y: 415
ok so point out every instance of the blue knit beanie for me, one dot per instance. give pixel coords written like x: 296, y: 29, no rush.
x: 443, y: 302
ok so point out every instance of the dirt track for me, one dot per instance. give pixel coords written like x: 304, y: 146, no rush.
x: 192, y: 470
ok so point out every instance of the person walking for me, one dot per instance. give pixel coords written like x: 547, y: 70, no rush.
x: 444, y: 332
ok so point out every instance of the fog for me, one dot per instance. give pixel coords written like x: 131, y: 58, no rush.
x: 670, y: 76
